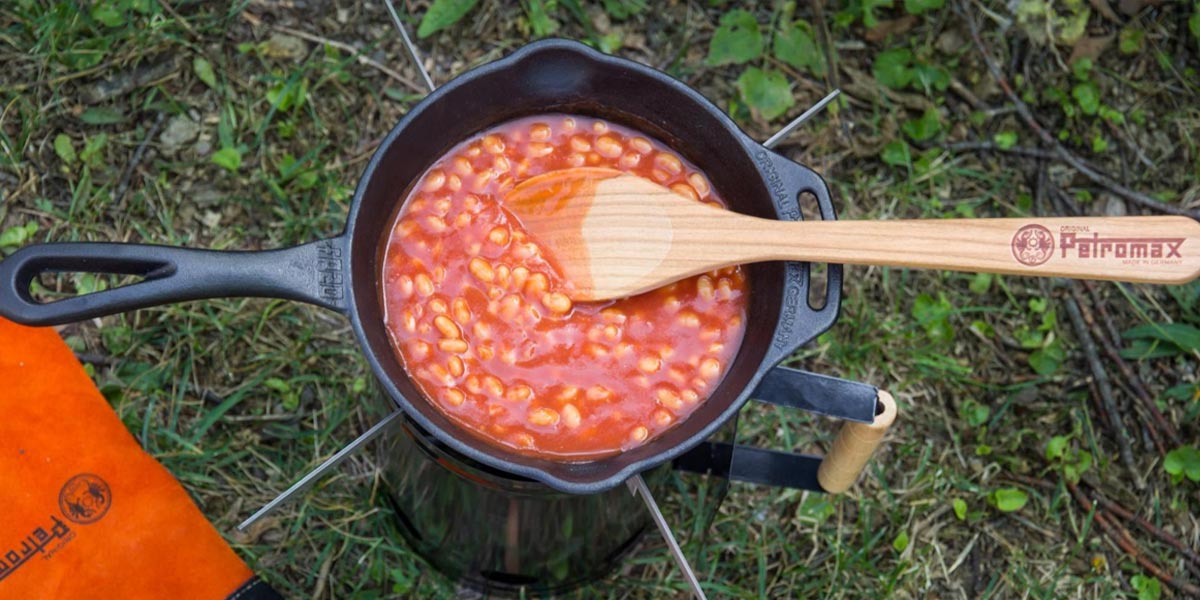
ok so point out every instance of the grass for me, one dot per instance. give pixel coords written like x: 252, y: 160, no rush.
x: 239, y: 397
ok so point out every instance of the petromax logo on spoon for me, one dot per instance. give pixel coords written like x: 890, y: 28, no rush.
x: 1033, y: 245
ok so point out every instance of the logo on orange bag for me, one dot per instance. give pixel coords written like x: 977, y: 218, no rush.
x: 85, y: 498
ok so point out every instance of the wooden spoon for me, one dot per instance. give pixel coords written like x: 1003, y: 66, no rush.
x: 615, y: 235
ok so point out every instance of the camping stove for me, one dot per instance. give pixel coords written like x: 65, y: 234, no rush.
x: 499, y: 533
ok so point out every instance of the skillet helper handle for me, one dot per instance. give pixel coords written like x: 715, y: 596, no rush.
x: 313, y: 273
x: 799, y: 320
x: 853, y: 447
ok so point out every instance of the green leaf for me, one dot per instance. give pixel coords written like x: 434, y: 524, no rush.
x: 204, y: 71
x: 1082, y: 69
x: 89, y: 283
x: 974, y: 413
x: 1194, y: 24
x: 892, y: 68
x: 17, y: 235
x: 916, y: 7
x: 1088, y: 97
x: 1008, y: 499
x: 101, y: 115
x: 1181, y: 335
x: 1148, y: 349
x: 901, y: 542
x: 1057, y: 446
x: 1147, y: 588
x: 402, y: 583
x: 117, y: 339
x: 64, y: 148
x: 1111, y: 114
x: 229, y: 158
x: 610, y: 42
x: 795, y: 46
x: 92, y: 147
x: 934, y: 316
x: 737, y: 39
x: 980, y: 283
x: 868, y: 11
x: 767, y: 93
x: 924, y: 128
x: 277, y: 384
x: 442, y: 14
x: 1005, y: 139
x: 282, y: 96
x: 1030, y: 338
x: 1047, y: 360
x: 897, y: 153
x: 540, y: 23
x: 1131, y: 40
x: 960, y: 509
x: 932, y: 77
x: 1073, y: 470
x: 1183, y: 462
x: 109, y: 14
x: 816, y: 508
x: 306, y: 180
x: 983, y: 328
x: 1184, y: 392
x: 623, y: 9
x: 924, y: 164
x: 1049, y: 320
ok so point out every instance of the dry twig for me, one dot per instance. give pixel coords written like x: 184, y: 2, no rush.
x: 1105, y: 387
x: 1127, y: 545
x: 1148, y: 527
x: 1047, y: 139
x: 1159, y: 422
x: 992, y: 147
x: 358, y: 55
x: 137, y: 159
x: 1117, y: 533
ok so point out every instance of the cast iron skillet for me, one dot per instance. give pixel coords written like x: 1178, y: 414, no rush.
x: 342, y: 273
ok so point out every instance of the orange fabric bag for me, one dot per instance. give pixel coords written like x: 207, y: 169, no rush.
x: 84, y: 512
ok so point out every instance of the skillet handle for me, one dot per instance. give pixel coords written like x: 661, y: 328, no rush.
x: 313, y: 273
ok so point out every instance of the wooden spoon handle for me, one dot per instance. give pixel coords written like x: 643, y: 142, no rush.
x: 853, y: 447
x: 1141, y: 249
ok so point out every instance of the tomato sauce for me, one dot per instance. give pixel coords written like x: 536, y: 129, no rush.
x: 477, y: 314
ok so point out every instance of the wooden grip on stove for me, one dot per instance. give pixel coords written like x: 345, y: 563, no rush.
x: 853, y: 447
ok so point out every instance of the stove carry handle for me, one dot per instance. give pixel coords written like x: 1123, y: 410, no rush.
x: 869, y: 413
x: 853, y: 447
